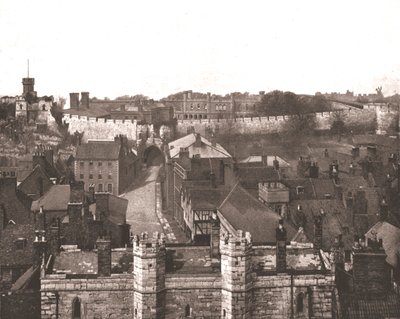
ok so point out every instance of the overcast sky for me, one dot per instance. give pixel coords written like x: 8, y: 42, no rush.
x: 112, y: 48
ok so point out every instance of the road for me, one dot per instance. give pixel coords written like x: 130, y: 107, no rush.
x: 141, y: 214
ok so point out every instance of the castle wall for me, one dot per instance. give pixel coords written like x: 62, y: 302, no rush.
x: 107, y: 297
x: 202, y: 293
x: 352, y: 117
x: 105, y: 128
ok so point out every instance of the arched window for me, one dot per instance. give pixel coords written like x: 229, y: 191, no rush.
x: 188, y: 311
x: 76, y: 309
x: 224, y: 313
x: 300, y: 303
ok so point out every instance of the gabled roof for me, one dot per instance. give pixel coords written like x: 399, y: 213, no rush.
x: 55, y: 199
x: 390, y: 236
x: 9, y: 255
x: 207, y: 150
x: 98, y: 150
x: 30, y: 185
x: 207, y: 198
x: 244, y: 212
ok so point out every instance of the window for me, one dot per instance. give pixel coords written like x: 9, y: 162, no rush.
x: 300, y: 190
x: 100, y: 176
x: 81, y: 176
x: 100, y: 164
x: 13, y: 173
x: 198, y: 106
x: 224, y: 313
x: 109, y: 188
x: 191, y: 106
x: 76, y: 309
x: 90, y: 176
x: 90, y: 163
x: 109, y: 176
x: 100, y: 187
x: 81, y: 164
x: 20, y: 243
x: 300, y: 303
x: 188, y: 311
x: 44, y: 107
x: 109, y: 164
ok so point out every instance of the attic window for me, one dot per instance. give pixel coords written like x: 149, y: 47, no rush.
x: 20, y: 243
x: 300, y: 190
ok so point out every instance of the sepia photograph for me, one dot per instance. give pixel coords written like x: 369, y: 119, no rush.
x: 199, y: 159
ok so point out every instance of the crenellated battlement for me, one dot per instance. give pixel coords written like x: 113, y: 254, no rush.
x: 145, y: 246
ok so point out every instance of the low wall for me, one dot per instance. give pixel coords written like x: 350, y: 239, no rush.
x: 105, y: 128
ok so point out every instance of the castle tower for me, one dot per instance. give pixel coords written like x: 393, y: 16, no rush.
x: 236, y: 276
x: 149, y: 276
x: 28, y: 85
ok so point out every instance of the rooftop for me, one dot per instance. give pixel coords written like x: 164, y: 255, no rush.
x: 55, y: 199
x: 98, y: 150
x: 206, y: 150
x: 241, y: 210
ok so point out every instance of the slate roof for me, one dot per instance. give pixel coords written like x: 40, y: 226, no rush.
x: 244, y: 212
x: 98, y: 150
x: 16, y: 203
x: 390, y: 236
x: 251, y: 176
x: 117, y: 207
x: 207, y: 150
x: 336, y: 220
x: 9, y: 255
x: 207, y: 198
x: 55, y: 199
x: 30, y: 185
x: 269, y: 160
x: 388, y: 307
x: 85, y: 262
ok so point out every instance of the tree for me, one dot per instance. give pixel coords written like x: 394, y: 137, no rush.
x: 338, y: 127
x: 300, y: 125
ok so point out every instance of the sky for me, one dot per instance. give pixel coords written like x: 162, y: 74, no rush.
x: 156, y: 48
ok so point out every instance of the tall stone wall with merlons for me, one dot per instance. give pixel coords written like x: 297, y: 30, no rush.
x: 100, y: 128
x: 353, y: 118
x: 237, y: 291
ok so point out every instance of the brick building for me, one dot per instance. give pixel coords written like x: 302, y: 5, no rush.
x: 110, y: 166
x: 189, y: 105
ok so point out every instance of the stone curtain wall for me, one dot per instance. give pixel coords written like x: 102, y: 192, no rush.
x: 202, y: 293
x: 273, y: 296
x: 107, y: 297
x: 105, y: 128
x: 352, y: 117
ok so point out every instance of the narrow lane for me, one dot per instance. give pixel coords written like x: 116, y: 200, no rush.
x: 141, y: 195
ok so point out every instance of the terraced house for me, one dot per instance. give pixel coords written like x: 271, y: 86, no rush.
x: 109, y: 166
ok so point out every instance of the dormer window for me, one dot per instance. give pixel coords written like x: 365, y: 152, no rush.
x: 20, y: 243
x: 300, y: 190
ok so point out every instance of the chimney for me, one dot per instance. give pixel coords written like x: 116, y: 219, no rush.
x: 349, y: 200
x: 371, y: 273
x: 280, y: 248
x: 314, y: 170
x: 3, y: 220
x: 302, y: 219
x: 197, y: 143
x: 189, y: 94
x: 39, y: 248
x: 275, y: 163
x: 92, y: 197
x: 103, y: 257
x: 74, y: 101
x: 355, y: 151
x: 318, y: 224
x: 261, y: 93
x: 213, y: 182
x: 209, y: 99
x: 76, y: 192
x: 371, y: 151
x: 384, y: 210
x: 85, y: 99
x: 49, y: 155
x: 215, y: 235
x: 54, y: 239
